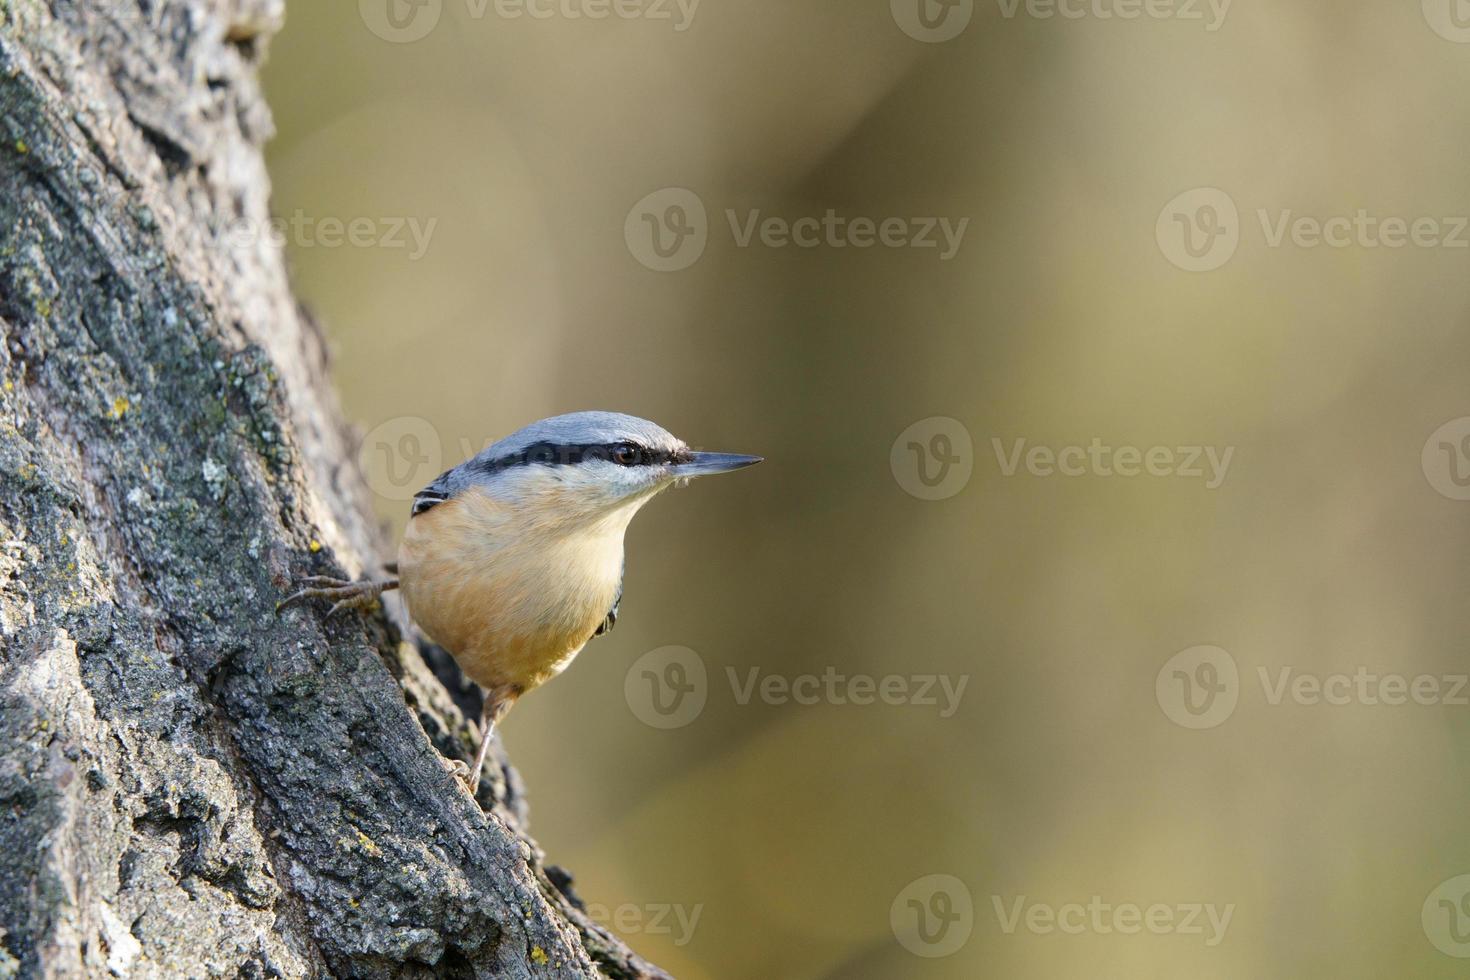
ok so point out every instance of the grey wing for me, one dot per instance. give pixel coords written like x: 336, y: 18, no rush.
x: 612, y: 614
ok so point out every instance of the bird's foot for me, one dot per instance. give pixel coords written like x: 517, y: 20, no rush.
x: 343, y: 593
x: 461, y: 771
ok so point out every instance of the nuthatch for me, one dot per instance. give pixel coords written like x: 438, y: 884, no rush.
x: 513, y: 560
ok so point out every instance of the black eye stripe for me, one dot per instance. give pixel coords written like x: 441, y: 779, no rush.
x: 565, y: 454
x: 545, y: 454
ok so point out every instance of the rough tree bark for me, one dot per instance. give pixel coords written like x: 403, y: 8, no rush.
x: 190, y: 785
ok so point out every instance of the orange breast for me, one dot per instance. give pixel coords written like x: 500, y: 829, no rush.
x: 513, y: 601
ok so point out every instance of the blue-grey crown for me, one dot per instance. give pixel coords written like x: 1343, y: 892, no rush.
x: 562, y: 440
x: 583, y: 429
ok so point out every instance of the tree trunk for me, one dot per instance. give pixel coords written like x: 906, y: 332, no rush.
x: 190, y: 785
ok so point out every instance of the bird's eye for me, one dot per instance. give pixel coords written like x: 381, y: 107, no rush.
x: 626, y: 454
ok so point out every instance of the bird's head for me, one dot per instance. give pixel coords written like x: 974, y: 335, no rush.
x: 591, y: 466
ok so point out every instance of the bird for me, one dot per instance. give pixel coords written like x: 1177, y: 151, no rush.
x: 513, y: 560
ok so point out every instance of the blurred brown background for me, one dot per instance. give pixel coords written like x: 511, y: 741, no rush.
x: 798, y: 832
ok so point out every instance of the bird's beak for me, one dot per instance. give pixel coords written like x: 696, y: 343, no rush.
x: 703, y: 464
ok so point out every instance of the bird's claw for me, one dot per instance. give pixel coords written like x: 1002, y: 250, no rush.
x: 344, y: 593
x: 460, y: 770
